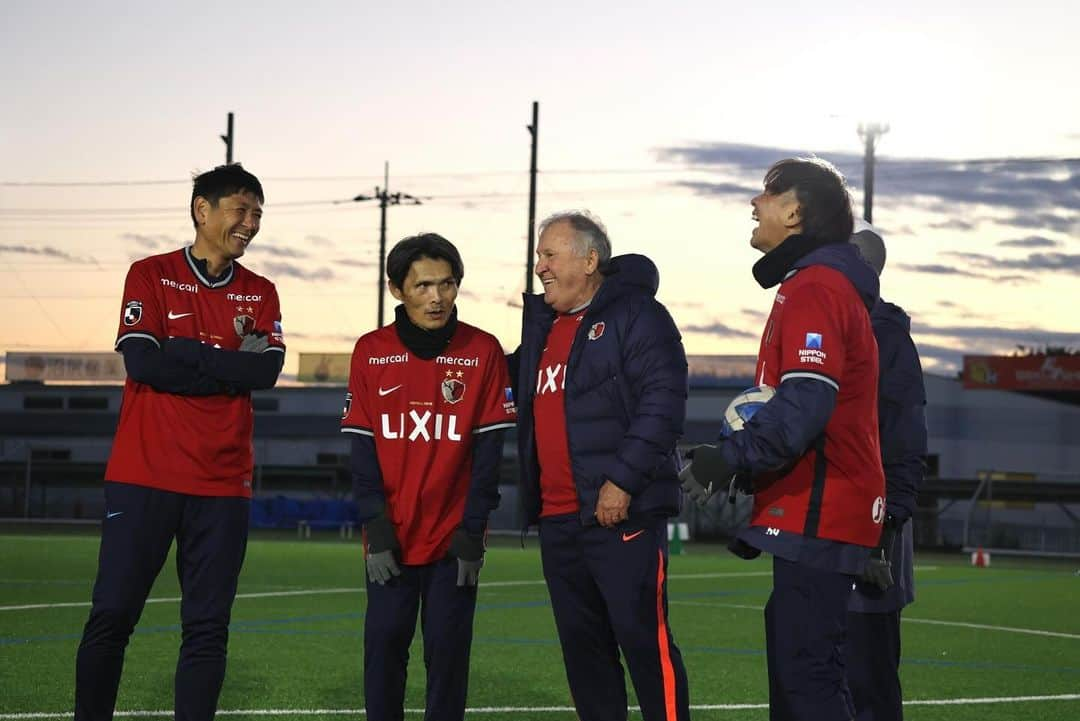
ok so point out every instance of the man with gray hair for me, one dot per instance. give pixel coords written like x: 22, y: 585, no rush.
x: 601, y: 381
x: 872, y: 649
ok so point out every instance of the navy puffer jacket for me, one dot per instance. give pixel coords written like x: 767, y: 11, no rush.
x: 626, y: 390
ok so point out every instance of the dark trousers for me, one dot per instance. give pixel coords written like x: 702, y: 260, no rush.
x: 805, y: 626
x: 609, y: 593
x: 446, y: 622
x: 140, y: 524
x: 873, y: 665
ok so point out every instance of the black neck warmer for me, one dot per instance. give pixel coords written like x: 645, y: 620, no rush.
x: 203, y: 265
x: 422, y: 343
x: 774, y: 265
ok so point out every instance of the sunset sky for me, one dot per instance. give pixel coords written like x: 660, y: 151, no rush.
x: 660, y: 118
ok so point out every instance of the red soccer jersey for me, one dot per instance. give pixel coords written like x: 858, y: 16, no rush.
x: 558, y: 492
x: 819, y: 328
x: 423, y: 415
x: 200, y: 446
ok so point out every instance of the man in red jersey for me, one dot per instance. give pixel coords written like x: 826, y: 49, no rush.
x: 602, y: 377
x: 428, y: 403
x: 811, y: 454
x: 198, y: 332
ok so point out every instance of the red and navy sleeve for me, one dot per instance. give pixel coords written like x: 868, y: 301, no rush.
x: 812, y: 336
x: 497, y: 409
x: 367, y: 479
x: 811, y: 363
x: 141, y: 315
x: 496, y: 413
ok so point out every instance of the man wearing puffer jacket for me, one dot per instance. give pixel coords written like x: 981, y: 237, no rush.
x: 602, y: 384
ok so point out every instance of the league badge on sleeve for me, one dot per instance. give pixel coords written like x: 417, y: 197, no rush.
x: 133, y: 312
x: 278, y: 333
x: 348, y: 406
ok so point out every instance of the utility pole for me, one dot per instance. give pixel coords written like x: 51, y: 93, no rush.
x: 385, y: 198
x: 869, y: 134
x: 534, y: 131
x: 227, y: 138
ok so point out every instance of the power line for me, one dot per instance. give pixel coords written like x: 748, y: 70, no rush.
x: 353, y: 178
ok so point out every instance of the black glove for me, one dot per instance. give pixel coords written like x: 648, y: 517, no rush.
x: 878, y: 569
x: 740, y: 483
x: 706, y: 473
x: 743, y: 550
x: 468, y: 549
x: 382, y: 544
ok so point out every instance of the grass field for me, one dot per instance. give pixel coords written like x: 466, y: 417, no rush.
x: 988, y: 644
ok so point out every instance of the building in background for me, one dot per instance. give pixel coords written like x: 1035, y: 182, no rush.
x: 56, y: 430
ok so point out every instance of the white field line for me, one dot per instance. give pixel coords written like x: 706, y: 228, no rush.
x: 1005, y: 629
x: 324, y: 591
x: 527, y: 709
x: 959, y: 624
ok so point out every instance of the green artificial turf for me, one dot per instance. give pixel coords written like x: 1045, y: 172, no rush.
x: 303, y: 651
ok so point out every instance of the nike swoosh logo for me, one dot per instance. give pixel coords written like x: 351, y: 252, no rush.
x: 174, y: 316
x: 114, y: 514
x: 631, y: 536
x: 388, y: 391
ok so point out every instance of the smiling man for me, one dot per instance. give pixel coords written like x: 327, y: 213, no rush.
x: 602, y: 380
x: 811, y: 454
x: 198, y: 332
x: 428, y: 403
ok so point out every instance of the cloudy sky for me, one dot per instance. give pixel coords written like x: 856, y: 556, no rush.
x: 661, y: 118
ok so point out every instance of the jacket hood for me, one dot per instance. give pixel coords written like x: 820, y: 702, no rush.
x: 845, y: 258
x: 886, y: 312
x: 629, y: 274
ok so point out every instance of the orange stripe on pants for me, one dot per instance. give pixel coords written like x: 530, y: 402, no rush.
x: 662, y: 641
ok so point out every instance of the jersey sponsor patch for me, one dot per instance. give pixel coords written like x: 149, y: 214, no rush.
x: 133, y: 312
x: 811, y: 352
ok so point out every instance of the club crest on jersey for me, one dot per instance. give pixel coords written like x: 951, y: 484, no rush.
x: 596, y: 331
x: 453, y: 390
x: 348, y: 406
x: 132, y: 312
x: 243, y: 324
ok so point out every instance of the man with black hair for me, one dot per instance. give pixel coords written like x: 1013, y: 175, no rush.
x: 428, y: 404
x: 810, y: 455
x: 198, y: 332
x: 602, y: 379
x: 872, y: 651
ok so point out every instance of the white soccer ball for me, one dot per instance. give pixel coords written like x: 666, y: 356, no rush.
x: 743, y: 407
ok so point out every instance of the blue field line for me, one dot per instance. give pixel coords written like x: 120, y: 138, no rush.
x: 274, y: 627
x: 253, y: 625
